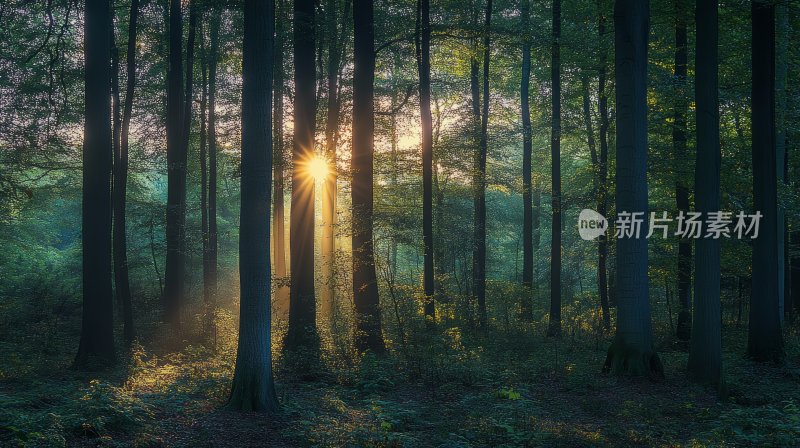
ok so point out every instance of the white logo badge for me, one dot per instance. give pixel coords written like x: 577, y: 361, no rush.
x: 591, y: 224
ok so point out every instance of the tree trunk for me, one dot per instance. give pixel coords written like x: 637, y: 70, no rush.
x: 526, y: 306
x: 602, y: 198
x: 423, y: 50
x: 765, y: 338
x: 253, y: 388
x: 96, y: 349
x: 176, y: 173
x: 204, y: 177
x: 554, y: 326
x: 477, y: 177
x: 781, y: 74
x: 479, y: 251
x: 121, y: 280
x: 705, y: 350
x: 211, y: 279
x: 302, y: 331
x: 365, y: 285
x: 632, y: 351
x: 281, y: 301
x: 684, y: 326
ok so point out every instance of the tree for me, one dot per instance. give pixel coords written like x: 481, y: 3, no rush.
x: 96, y: 347
x: 278, y: 165
x: 121, y: 145
x: 602, y: 168
x: 253, y: 388
x: 527, y: 153
x: 479, y: 251
x: 684, y: 326
x: 423, y: 51
x: 765, y: 338
x: 632, y: 351
x: 705, y: 348
x: 176, y: 173
x: 302, y: 304
x: 365, y: 284
x: 554, y: 327
x: 213, y: 58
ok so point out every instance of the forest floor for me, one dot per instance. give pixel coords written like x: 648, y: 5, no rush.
x: 515, y: 389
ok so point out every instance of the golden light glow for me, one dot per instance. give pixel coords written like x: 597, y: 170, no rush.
x: 317, y: 168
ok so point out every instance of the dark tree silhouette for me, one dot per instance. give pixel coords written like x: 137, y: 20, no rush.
x: 278, y: 167
x: 176, y: 172
x: 302, y: 303
x: 765, y: 338
x: 705, y: 348
x: 96, y: 347
x: 684, y: 326
x: 365, y: 284
x: 554, y: 326
x: 423, y: 51
x: 253, y: 388
x: 213, y: 58
x: 527, y: 153
x: 632, y: 351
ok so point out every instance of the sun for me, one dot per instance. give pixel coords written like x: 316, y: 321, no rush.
x: 317, y: 168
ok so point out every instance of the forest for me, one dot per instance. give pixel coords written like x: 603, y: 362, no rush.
x: 399, y: 223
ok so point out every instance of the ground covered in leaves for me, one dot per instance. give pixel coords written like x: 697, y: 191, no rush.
x: 513, y: 388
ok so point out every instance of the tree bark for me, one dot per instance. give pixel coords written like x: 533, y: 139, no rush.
x: 526, y: 305
x: 423, y: 50
x: 632, y: 352
x: 602, y: 198
x: 705, y: 349
x: 96, y: 348
x: 281, y: 301
x: 554, y: 326
x: 253, y: 388
x: 684, y: 326
x: 211, y: 279
x: 765, y: 338
x: 781, y: 74
x: 365, y: 285
x: 302, y: 331
x: 176, y: 173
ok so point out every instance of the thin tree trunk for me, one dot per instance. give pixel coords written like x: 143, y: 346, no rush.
x: 121, y: 279
x: 176, y: 172
x: 765, y: 338
x: 477, y: 182
x: 527, y: 153
x: 705, y: 350
x: 96, y: 348
x: 602, y: 198
x: 207, y: 294
x: 684, y: 327
x: 302, y: 331
x: 554, y: 327
x: 423, y: 51
x: 253, y: 388
x: 211, y: 279
x: 632, y: 352
x: 281, y: 302
x: 365, y: 285
x: 781, y: 74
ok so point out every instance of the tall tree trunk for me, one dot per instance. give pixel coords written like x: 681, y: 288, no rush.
x: 705, y: 350
x: 96, y: 347
x: 329, y: 187
x: 302, y: 303
x: 211, y: 278
x: 208, y: 302
x: 121, y: 280
x: 526, y: 306
x: 765, y: 338
x: 253, y: 388
x: 602, y: 196
x: 781, y: 73
x: 176, y: 172
x: 479, y: 251
x: 475, y: 92
x: 684, y: 326
x: 365, y: 284
x: 554, y: 327
x: 423, y: 51
x: 632, y: 351
x: 281, y: 301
